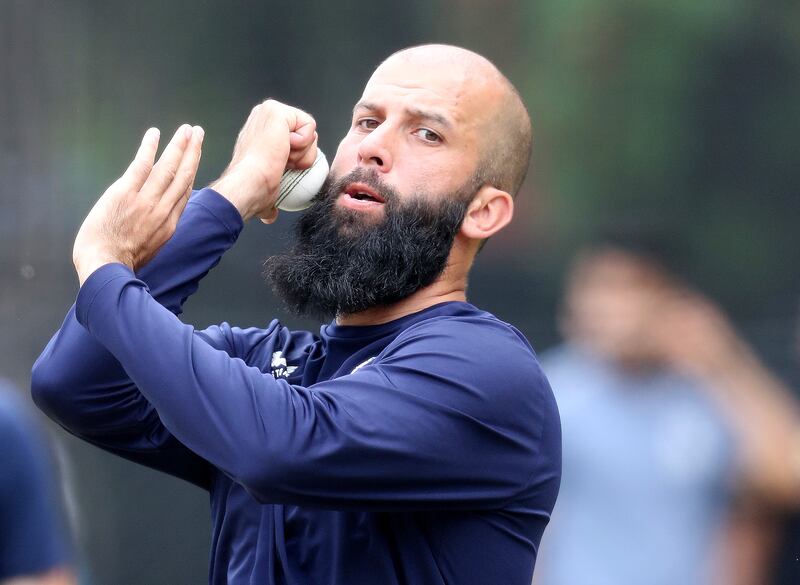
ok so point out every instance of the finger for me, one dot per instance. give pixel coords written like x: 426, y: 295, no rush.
x: 177, y: 211
x: 164, y: 171
x: 302, y: 136
x: 303, y: 119
x: 270, y: 216
x: 297, y: 154
x: 142, y: 163
x: 167, y: 228
x: 304, y: 158
x: 186, y: 171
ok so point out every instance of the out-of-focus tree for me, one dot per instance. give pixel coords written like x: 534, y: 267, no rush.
x: 682, y: 111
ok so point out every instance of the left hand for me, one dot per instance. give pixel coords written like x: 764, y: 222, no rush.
x: 138, y: 213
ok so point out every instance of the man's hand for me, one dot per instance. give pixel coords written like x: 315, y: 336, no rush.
x: 274, y: 137
x: 138, y: 213
x: 693, y: 335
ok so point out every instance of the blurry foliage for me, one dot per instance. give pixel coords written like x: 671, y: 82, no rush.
x: 685, y: 111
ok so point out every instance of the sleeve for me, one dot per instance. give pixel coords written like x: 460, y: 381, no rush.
x: 80, y: 385
x: 435, y: 423
x: 32, y: 533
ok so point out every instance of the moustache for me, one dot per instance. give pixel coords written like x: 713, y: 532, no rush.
x: 333, y: 187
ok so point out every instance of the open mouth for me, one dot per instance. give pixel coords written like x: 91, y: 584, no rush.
x: 363, y: 193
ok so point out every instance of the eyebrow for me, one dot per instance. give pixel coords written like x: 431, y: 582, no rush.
x: 414, y: 112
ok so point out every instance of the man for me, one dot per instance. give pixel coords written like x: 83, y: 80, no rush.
x: 416, y: 439
x: 671, y: 424
x: 33, y: 540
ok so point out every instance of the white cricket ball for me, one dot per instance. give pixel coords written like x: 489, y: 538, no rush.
x: 298, y: 188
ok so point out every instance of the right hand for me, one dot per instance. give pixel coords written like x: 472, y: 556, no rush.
x: 693, y: 335
x: 274, y: 137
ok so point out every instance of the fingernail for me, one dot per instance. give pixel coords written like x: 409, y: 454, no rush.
x: 153, y: 132
x: 187, y: 131
x: 198, y: 130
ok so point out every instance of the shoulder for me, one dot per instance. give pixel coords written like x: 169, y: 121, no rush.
x: 480, y: 367
x: 470, y: 330
x: 472, y: 350
x: 23, y: 444
x: 28, y: 501
x: 480, y: 342
x: 16, y: 425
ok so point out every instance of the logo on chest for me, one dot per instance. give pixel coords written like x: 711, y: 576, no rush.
x: 278, y: 366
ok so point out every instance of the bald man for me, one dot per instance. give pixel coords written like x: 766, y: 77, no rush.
x: 415, y: 440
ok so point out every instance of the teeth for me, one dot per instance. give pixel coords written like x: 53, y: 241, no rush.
x: 364, y: 196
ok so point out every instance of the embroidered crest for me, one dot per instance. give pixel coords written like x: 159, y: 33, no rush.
x: 278, y: 366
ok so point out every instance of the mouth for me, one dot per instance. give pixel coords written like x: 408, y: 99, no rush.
x: 361, y: 195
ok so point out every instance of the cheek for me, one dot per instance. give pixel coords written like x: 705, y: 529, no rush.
x: 426, y: 176
x: 606, y: 312
x: 435, y: 173
x: 346, y: 156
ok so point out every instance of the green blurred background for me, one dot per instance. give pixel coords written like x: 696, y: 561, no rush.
x: 678, y: 113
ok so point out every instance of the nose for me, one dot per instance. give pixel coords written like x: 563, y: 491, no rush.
x: 375, y: 149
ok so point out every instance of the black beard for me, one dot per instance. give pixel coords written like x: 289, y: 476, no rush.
x: 344, y: 261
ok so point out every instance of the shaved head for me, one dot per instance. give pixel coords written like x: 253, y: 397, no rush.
x: 438, y: 144
x: 505, y: 148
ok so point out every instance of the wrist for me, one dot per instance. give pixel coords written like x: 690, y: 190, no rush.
x: 88, y: 263
x: 242, y: 190
x: 237, y: 191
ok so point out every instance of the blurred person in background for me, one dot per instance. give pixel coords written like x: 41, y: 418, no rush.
x: 33, y: 540
x: 677, y: 442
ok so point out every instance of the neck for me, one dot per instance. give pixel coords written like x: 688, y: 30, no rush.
x: 422, y: 299
x: 450, y: 286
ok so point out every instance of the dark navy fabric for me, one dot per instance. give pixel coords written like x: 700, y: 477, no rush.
x: 424, y: 450
x: 32, y: 535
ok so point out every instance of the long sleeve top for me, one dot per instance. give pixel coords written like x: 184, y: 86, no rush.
x: 423, y: 450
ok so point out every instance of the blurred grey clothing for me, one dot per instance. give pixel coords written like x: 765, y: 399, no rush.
x: 647, y: 467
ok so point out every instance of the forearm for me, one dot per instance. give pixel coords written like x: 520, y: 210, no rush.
x: 766, y: 419
x: 360, y: 439
x: 209, y: 401
x: 78, y: 383
x: 208, y: 227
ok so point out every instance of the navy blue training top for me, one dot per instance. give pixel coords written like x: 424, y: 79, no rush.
x: 422, y: 451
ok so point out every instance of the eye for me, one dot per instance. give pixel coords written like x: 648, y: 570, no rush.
x: 367, y: 123
x: 428, y: 135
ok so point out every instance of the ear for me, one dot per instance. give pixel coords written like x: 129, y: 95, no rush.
x: 488, y: 213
